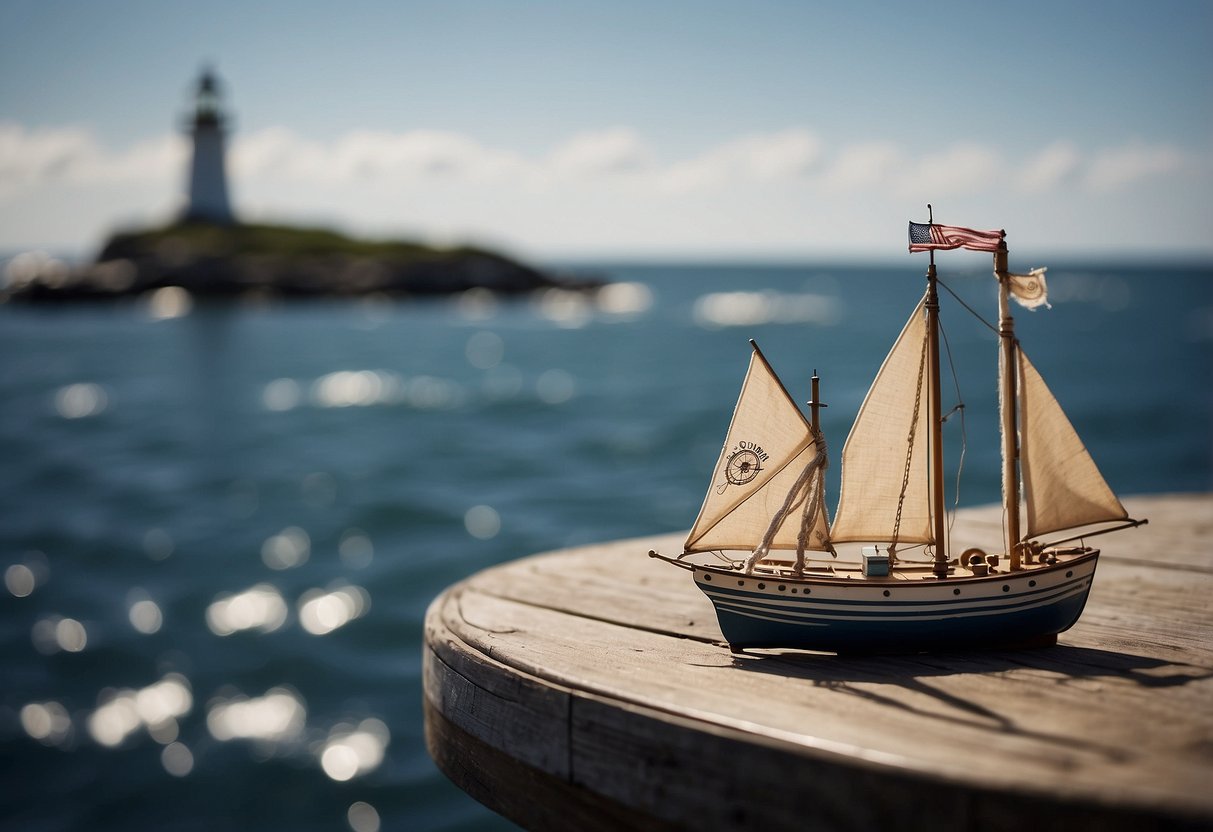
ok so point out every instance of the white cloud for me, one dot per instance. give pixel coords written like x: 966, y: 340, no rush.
x: 29, y: 157
x: 368, y: 157
x: 598, y: 190
x: 1049, y: 168
x: 613, y: 151
x: 956, y: 170
x: 1118, y: 167
x: 864, y: 165
x: 764, y: 157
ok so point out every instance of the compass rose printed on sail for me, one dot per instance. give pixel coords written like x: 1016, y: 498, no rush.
x: 744, y: 464
x: 768, y: 446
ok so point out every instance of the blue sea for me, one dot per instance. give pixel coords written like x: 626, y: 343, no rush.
x: 220, y: 525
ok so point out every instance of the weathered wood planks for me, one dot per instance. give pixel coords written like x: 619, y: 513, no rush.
x: 590, y: 689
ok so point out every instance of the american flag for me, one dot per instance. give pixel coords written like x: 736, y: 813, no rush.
x: 925, y: 237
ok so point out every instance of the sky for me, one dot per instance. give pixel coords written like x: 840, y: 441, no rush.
x: 564, y: 130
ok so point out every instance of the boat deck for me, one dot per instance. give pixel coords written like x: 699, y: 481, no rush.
x: 591, y: 689
x: 852, y: 570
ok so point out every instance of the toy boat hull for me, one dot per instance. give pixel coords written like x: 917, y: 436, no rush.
x: 896, y: 615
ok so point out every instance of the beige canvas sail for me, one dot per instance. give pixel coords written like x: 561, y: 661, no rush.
x: 1062, y: 487
x: 884, y: 435
x: 767, y: 448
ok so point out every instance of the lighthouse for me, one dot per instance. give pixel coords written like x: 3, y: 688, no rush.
x: 207, y: 126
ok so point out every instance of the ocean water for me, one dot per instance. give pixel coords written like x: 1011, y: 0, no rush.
x: 220, y: 525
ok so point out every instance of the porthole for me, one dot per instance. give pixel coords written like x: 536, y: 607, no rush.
x: 886, y: 593
x: 1031, y: 583
x: 782, y: 587
x: 1006, y: 587
x: 806, y: 592
x: 707, y: 577
x: 741, y: 583
x: 956, y: 592
x: 1070, y: 574
x: 794, y: 591
x: 762, y: 586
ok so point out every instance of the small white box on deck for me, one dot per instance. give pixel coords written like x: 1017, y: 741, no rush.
x: 875, y: 562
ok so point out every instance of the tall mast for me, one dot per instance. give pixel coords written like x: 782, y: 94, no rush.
x: 934, y: 410
x: 1009, y: 395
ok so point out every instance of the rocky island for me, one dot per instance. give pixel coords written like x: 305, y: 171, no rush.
x: 210, y: 253
x: 216, y: 259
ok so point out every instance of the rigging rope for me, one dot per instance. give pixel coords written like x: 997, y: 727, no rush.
x: 970, y: 309
x: 905, y: 477
x: 807, y: 490
x: 964, y: 439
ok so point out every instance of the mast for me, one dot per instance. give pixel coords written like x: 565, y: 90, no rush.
x: 815, y: 403
x: 1009, y: 395
x: 934, y: 410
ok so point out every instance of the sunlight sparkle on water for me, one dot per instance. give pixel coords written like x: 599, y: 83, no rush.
x: 259, y: 607
x: 281, y: 394
x: 177, y: 759
x: 555, y: 387
x: 156, y: 707
x: 356, y: 388
x: 19, y: 580
x: 723, y: 309
x: 277, y: 716
x: 168, y: 302
x: 351, y: 751
x: 79, y: 401
x: 287, y: 549
x: 362, y: 817
x: 482, y: 522
x: 356, y: 549
x: 624, y: 299
x: 476, y: 304
x: 46, y: 722
x: 55, y: 633
x: 322, y: 612
x: 567, y: 309
x: 144, y: 613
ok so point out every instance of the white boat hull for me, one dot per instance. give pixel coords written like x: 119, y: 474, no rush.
x: 898, y: 614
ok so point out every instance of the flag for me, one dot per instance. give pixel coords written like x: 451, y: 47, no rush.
x: 925, y: 237
x: 1030, y: 289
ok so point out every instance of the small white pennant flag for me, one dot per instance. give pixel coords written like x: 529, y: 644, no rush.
x: 1030, y: 289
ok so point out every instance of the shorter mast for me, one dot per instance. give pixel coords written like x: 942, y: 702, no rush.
x: 1009, y: 398
x: 816, y: 403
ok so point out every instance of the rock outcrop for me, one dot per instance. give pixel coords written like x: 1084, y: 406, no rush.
x: 212, y: 260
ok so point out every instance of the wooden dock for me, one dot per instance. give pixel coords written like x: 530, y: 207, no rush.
x: 590, y: 689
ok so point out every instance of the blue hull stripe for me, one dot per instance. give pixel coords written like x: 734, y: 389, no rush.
x: 796, y: 616
x: 892, y: 610
x: 884, y: 603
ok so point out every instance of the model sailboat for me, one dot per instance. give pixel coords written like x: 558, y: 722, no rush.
x: 766, y: 499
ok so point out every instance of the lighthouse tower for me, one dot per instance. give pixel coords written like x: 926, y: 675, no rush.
x: 207, y: 126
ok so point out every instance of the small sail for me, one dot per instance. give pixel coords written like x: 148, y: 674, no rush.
x: 767, y: 448
x: 1062, y: 487
x: 890, y: 435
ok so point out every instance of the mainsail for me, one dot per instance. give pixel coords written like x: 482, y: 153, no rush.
x: 767, y: 452
x: 1062, y: 487
x: 886, y: 489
